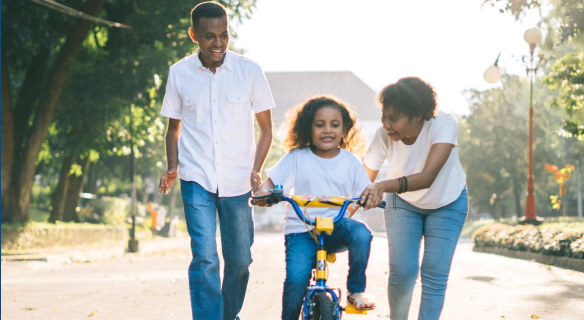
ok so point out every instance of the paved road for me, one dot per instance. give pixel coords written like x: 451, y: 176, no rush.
x: 153, y: 285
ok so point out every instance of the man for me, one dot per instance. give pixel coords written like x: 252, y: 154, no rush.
x: 210, y: 100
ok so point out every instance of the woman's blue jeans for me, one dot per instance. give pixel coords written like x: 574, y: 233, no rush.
x: 440, y: 228
x: 210, y: 300
x: 349, y: 234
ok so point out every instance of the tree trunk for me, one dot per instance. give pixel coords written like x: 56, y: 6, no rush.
x: 70, y: 213
x: 7, y: 134
x: 58, y: 198
x: 18, y: 196
x: 517, y: 197
x: 91, y: 186
x: 29, y: 94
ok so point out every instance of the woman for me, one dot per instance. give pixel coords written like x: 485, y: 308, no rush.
x: 425, y: 194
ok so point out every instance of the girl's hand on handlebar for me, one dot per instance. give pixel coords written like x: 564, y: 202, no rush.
x: 260, y: 198
x: 372, y: 196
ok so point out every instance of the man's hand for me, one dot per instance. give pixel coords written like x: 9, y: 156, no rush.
x: 259, y: 201
x: 256, y: 180
x: 167, y: 180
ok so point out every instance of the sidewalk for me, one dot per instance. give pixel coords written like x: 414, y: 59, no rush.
x: 99, y: 252
x: 154, y: 285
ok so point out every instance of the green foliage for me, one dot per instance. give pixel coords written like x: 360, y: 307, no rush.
x: 567, y: 76
x: 117, y: 79
x: 113, y: 211
x: 563, y: 50
x: 493, y: 148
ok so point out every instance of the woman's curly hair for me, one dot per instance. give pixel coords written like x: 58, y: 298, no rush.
x: 300, y: 121
x: 411, y: 96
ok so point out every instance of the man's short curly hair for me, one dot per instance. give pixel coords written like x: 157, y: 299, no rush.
x: 410, y: 96
x: 300, y: 121
x: 207, y: 9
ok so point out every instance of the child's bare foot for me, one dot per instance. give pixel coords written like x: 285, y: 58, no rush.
x: 361, y: 300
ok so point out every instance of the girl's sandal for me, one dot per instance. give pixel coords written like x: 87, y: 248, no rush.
x: 361, y: 301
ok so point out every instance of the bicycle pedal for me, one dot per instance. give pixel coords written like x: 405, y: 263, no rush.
x: 351, y: 309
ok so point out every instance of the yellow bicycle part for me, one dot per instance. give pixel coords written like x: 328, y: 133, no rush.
x: 351, y: 309
x: 321, y: 266
x: 324, y: 224
x: 331, y: 257
x: 312, y: 201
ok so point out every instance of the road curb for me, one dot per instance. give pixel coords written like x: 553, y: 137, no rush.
x: 557, y: 261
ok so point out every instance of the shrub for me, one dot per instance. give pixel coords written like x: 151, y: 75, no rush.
x: 546, y: 239
x: 113, y: 211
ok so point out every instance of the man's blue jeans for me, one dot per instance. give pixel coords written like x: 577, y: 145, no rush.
x: 349, y: 234
x: 208, y: 299
x: 440, y: 228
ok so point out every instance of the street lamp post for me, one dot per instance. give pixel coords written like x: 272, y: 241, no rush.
x: 492, y: 75
x: 533, y: 37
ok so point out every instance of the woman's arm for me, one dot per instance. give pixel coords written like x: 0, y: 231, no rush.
x: 371, y: 173
x: 439, y: 153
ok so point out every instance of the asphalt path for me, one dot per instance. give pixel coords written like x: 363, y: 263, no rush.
x: 154, y: 285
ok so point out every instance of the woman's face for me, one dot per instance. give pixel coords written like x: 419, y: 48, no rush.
x: 401, y: 127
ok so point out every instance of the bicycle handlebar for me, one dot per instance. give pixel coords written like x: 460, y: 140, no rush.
x: 277, y: 196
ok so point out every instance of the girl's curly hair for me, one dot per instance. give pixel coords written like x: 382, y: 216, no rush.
x: 300, y: 125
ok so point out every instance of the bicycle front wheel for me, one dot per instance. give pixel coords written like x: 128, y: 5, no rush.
x: 323, y: 307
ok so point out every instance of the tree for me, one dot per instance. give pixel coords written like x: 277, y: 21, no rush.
x: 59, y: 69
x: 32, y: 109
x: 563, y: 48
x: 493, y: 147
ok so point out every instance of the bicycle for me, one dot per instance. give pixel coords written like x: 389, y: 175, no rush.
x: 321, y: 302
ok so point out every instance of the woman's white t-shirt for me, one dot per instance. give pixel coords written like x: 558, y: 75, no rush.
x: 406, y: 160
x: 301, y: 172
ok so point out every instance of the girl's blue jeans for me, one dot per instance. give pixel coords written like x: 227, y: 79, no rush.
x: 349, y: 234
x: 209, y: 299
x: 406, y: 226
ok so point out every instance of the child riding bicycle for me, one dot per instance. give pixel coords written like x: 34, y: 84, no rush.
x: 323, y: 132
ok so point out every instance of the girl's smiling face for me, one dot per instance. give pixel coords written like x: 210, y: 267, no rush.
x: 327, y: 132
x: 401, y: 127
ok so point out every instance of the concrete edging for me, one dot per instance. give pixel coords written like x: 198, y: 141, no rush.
x: 557, y: 261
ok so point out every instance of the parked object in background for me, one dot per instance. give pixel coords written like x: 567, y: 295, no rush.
x: 161, y: 224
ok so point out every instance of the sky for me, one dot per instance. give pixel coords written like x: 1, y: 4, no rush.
x: 447, y: 43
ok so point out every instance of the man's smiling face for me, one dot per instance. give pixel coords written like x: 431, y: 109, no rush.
x: 212, y: 35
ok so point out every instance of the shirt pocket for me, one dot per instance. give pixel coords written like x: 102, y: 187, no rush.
x: 237, y: 104
x: 192, y: 110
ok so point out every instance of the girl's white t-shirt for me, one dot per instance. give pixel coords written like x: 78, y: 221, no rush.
x: 301, y: 172
x: 405, y: 160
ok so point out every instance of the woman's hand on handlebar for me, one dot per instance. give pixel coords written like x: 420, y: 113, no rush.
x: 372, y: 196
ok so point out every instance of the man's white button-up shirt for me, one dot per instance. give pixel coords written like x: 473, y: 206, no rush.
x: 216, y: 146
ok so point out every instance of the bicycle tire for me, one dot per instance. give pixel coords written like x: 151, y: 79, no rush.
x: 323, y: 307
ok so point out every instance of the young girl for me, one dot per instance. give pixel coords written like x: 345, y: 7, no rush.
x: 322, y: 133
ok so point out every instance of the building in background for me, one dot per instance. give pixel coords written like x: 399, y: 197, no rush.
x: 292, y: 88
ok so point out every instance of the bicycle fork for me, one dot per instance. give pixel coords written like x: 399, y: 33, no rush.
x: 320, y: 277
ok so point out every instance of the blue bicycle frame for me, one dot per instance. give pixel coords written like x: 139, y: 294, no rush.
x: 321, y: 257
